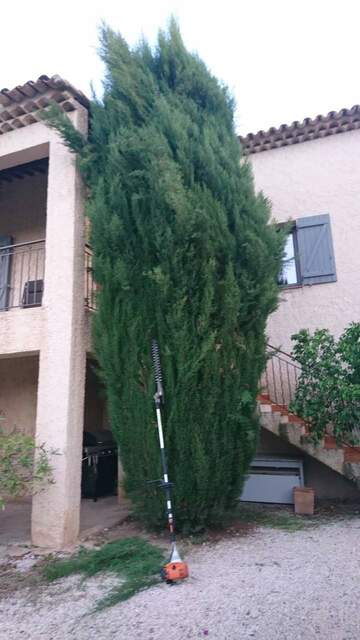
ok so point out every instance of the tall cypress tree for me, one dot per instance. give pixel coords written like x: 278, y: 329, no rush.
x: 184, y: 252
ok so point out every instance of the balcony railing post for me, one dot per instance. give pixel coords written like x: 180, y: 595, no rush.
x: 90, y: 284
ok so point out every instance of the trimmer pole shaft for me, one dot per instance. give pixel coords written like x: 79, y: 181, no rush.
x: 166, y: 485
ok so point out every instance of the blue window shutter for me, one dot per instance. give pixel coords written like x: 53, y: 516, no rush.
x: 316, y: 252
x: 5, y: 259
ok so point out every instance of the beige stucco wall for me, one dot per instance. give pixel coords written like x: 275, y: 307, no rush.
x: 22, y: 331
x: 23, y: 208
x: 316, y: 177
x: 18, y: 393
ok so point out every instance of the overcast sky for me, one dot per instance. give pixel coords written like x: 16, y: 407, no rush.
x: 283, y: 59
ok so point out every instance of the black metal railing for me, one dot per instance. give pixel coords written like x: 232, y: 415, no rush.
x: 280, y: 378
x: 22, y: 275
x: 90, y: 285
x: 279, y: 382
x: 22, y: 268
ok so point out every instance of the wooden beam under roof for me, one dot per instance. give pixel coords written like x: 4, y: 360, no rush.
x: 22, y: 170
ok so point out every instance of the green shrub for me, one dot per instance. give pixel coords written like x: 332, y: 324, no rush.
x: 24, y: 467
x: 328, y: 392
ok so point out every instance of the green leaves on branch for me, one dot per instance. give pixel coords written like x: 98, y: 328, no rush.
x: 328, y: 392
x: 135, y: 561
x: 25, y: 467
x: 57, y: 119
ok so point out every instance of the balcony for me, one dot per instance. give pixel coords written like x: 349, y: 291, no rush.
x: 22, y: 275
x: 22, y: 268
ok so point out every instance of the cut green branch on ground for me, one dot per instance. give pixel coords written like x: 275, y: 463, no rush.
x: 135, y: 561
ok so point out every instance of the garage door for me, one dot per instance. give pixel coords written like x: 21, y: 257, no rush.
x: 272, y: 479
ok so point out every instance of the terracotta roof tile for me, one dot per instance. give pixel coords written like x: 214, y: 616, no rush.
x: 22, y: 105
x: 310, y: 129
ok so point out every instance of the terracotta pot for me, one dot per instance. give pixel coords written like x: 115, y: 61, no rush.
x: 304, y: 501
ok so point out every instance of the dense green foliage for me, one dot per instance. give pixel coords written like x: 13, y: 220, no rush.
x: 328, y: 392
x: 24, y: 467
x: 184, y: 252
x: 135, y: 561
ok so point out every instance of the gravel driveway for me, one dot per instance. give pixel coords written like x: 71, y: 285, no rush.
x: 269, y: 585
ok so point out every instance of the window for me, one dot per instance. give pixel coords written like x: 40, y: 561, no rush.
x: 289, y: 270
x: 309, y: 253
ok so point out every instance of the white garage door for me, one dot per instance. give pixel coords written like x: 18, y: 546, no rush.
x: 272, y: 479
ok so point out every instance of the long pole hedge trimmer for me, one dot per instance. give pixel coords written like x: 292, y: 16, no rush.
x: 175, y: 569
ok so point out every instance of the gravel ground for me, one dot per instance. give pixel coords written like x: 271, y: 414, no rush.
x: 270, y: 585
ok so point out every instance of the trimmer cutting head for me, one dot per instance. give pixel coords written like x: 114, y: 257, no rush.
x: 176, y: 569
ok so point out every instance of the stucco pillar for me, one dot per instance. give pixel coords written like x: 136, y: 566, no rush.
x: 61, y: 389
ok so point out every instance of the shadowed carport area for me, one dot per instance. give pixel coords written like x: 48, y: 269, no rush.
x: 95, y: 516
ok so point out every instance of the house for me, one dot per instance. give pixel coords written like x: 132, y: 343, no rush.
x: 310, y: 172
x: 47, y: 384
